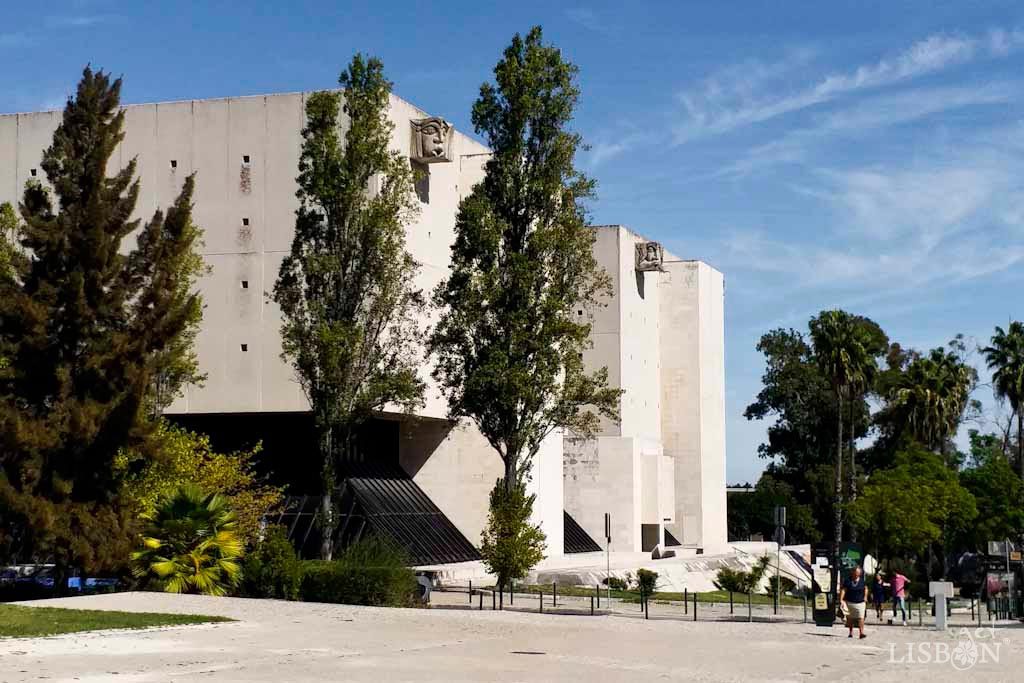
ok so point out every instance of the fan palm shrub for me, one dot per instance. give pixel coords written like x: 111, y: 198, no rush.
x: 190, y: 545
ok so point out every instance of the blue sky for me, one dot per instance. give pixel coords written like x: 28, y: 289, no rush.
x: 863, y: 155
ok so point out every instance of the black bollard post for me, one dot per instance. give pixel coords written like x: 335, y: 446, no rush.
x: 494, y: 601
x: 512, y: 592
x: 554, y: 594
x: 597, y: 592
x: 750, y: 609
x: 481, y: 600
x: 775, y: 603
x: 470, y: 593
x: 646, y: 610
x: 542, y: 601
x: 972, y: 609
x: 695, y: 605
x: 686, y: 600
x: 730, y: 602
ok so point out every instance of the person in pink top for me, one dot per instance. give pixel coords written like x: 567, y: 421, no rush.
x: 899, y: 594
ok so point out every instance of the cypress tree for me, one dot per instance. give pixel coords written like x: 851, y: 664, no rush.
x: 85, y: 328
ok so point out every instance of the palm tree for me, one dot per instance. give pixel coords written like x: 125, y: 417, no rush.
x: 843, y: 348
x: 1005, y: 357
x: 190, y: 545
x: 932, y: 395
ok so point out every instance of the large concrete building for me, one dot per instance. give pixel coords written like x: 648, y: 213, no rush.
x: 661, y: 336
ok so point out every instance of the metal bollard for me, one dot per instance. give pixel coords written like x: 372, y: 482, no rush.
x: 554, y: 594
x: 481, y: 594
x: 730, y: 602
x: 646, y: 608
x: 686, y: 600
x: 750, y: 609
x: 972, y: 609
x: 512, y: 592
x: 695, y: 606
x: 470, y: 593
x: 494, y: 601
x: 597, y: 592
x: 542, y: 601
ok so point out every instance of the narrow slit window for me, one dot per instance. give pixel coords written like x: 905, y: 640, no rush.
x: 245, y: 348
x: 174, y: 164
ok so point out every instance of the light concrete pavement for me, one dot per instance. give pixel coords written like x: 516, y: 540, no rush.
x: 287, y: 641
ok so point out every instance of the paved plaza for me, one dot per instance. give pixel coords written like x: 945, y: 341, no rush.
x: 294, y: 641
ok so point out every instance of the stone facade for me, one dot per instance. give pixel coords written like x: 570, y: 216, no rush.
x: 245, y: 153
x: 661, y: 337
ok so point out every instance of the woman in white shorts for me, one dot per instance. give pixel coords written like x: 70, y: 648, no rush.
x: 852, y: 597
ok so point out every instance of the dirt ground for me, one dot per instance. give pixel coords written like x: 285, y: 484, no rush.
x: 293, y: 641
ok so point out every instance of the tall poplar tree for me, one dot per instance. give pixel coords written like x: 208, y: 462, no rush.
x: 345, y: 291
x: 85, y: 327
x: 508, y: 343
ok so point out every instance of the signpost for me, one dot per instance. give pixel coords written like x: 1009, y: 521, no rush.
x: 780, y: 538
x: 822, y: 570
x: 608, y: 554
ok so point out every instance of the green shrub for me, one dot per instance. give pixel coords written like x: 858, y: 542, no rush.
x: 787, y: 585
x: 272, y: 569
x: 370, y: 572
x: 646, y: 581
x: 510, y: 543
x: 190, y: 545
x: 739, y: 581
x: 615, y: 583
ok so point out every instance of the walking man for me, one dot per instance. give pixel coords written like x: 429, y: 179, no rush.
x: 852, y: 596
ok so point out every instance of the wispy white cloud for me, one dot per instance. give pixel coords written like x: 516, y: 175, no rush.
x: 741, y: 96
x: 588, y: 19
x: 870, y: 116
x: 78, y: 21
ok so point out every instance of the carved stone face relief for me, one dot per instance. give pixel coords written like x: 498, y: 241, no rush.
x: 431, y: 140
x: 649, y: 256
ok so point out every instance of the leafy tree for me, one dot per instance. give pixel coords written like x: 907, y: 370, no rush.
x: 998, y: 493
x: 1005, y: 358
x: 845, y: 352
x: 510, y: 544
x: 509, y: 348
x: 931, y: 397
x: 345, y: 290
x: 85, y: 329
x: 9, y: 228
x: 190, y: 545
x: 910, y: 506
x: 187, y: 458
x: 754, y: 512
